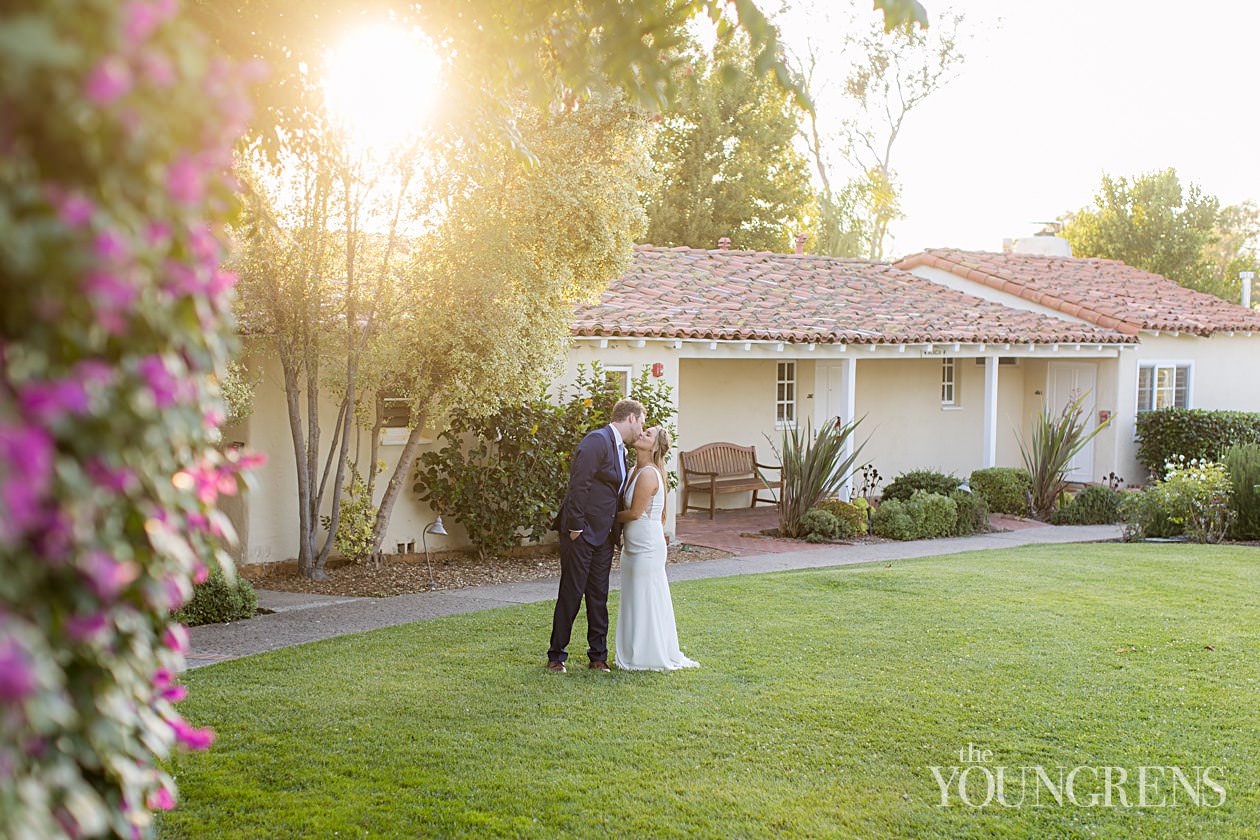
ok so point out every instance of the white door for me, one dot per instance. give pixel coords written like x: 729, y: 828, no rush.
x: 1068, y: 381
x: 834, y: 404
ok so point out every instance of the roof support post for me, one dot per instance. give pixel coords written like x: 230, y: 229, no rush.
x: 990, y: 410
x: 848, y: 411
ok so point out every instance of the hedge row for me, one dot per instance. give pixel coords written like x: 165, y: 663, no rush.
x: 1192, y: 433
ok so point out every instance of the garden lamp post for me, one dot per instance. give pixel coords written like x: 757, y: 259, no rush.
x: 431, y: 528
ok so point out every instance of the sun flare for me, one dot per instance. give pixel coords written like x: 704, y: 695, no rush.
x: 380, y: 85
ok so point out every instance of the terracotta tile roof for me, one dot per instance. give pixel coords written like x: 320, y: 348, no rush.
x: 746, y: 295
x: 1108, y: 293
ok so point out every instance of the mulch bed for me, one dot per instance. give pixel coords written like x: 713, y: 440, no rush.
x: 449, y: 572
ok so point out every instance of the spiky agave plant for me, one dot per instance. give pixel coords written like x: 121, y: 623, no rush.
x: 1056, y: 440
x: 814, y: 468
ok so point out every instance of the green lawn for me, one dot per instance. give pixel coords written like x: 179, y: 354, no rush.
x: 823, y: 699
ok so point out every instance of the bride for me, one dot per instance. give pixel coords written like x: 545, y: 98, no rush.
x: 647, y: 638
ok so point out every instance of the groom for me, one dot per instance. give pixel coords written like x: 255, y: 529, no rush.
x: 588, y: 530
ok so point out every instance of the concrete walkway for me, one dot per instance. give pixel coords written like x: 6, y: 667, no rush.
x: 299, y: 618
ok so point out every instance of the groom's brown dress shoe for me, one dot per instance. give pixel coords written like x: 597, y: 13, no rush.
x: 556, y: 667
x: 600, y: 666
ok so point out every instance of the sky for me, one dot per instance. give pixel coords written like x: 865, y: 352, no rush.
x: 1052, y: 95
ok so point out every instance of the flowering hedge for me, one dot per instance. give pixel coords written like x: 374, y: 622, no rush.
x: 118, y: 124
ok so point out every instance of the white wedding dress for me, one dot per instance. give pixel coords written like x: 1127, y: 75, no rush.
x: 647, y: 638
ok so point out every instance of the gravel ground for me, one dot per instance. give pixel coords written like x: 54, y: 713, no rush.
x: 450, y: 572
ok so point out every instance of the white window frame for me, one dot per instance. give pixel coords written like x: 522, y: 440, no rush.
x: 1155, y: 365
x: 785, y: 407
x: 950, y: 384
x: 628, y: 370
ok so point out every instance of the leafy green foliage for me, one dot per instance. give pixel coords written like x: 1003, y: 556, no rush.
x: 854, y: 516
x: 725, y: 153
x: 116, y: 323
x: 814, y: 468
x: 973, y: 513
x: 1165, y: 434
x: 1094, y: 505
x: 238, y: 389
x: 503, y: 476
x: 819, y: 525
x: 1243, y: 465
x: 1005, y: 489
x: 216, y: 600
x: 1193, y: 498
x: 1151, y: 222
x: 1055, y: 441
x: 924, y: 515
x: 905, y: 485
x: 358, y: 515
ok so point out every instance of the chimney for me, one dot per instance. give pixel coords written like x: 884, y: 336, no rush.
x: 724, y: 243
x: 1246, y: 277
x: 1044, y: 246
x: 800, y: 243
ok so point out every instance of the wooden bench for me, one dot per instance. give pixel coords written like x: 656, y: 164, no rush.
x: 723, y: 468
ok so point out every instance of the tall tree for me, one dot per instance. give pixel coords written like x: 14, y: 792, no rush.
x: 1234, y: 249
x: 893, y: 71
x: 725, y: 153
x: 1152, y: 222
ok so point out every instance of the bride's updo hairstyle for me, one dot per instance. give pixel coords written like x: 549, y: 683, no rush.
x: 661, y: 450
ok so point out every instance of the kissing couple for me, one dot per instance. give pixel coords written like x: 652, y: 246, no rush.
x: 605, y: 502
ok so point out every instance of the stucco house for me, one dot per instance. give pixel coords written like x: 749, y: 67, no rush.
x: 947, y: 356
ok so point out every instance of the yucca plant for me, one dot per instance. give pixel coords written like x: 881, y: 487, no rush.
x: 814, y: 468
x: 1056, y: 440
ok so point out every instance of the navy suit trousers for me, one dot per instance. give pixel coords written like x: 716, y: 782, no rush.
x: 584, y: 570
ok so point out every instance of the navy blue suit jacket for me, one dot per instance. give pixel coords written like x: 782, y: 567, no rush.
x: 592, y: 502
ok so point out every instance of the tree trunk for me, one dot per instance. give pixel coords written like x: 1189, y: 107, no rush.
x: 402, y: 469
x: 306, y: 536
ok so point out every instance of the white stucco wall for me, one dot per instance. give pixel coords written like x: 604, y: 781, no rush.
x: 272, y: 505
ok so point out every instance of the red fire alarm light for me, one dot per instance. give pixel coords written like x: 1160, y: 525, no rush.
x: 658, y: 369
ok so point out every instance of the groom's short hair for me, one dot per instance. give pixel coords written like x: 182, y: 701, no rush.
x: 625, y: 409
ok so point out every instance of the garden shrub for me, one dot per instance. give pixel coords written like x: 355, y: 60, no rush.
x: 854, y: 516
x: 1094, y: 505
x: 924, y: 516
x: 973, y: 513
x: 903, y: 486
x: 354, y: 526
x: 1194, y: 498
x: 216, y: 600
x: 1005, y: 489
x: 934, y: 515
x: 1191, y: 433
x: 818, y: 525
x: 117, y: 134
x: 1144, y: 517
x: 1242, y: 462
x: 503, y: 477
x: 892, y: 521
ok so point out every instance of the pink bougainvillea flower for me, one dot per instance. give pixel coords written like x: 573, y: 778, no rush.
x: 109, y: 80
x: 112, y: 292
x: 73, y: 210
x: 191, y: 737
x: 106, y: 575
x: 139, y: 22
x: 17, y: 682
x: 164, y: 385
x: 110, y: 246
x: 120, y: 480
x: 156, y: 68
x: 157, y: 234
x: 48, y: 402
x: 174, y: 693
x: 83, y: 628
x: 200, y: 571
x: 203, y: 245
x: 160, y: 800
x: 162, y: 678
x: 26, y: 461
x: 186, y: 181
x: 175, y: 638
